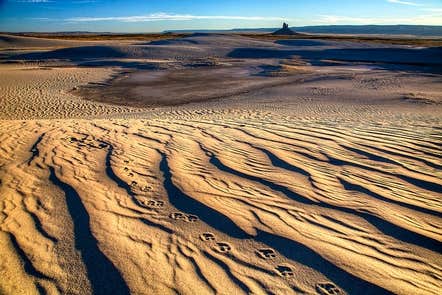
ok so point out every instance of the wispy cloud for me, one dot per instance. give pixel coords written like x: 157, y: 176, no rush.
x: 424, y: 19
x: 84, y: 1
x: 49, y: 1
x: 404, y: 2
x: 340, y: 19
x: 31, y: 1
x: 435, y: 10
x: 171, y: 17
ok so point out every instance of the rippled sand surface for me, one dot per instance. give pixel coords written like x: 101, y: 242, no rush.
x: 316, y: 194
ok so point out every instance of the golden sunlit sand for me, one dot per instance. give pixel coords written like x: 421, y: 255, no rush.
x: 291, y: 177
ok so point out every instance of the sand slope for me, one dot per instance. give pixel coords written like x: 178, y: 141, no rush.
x: 209, y: 198
x: 19, y: 42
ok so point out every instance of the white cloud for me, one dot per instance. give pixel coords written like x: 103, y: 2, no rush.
x: 170, y: 17
x: 435, y: 10
x: 31, y: 1
x: 434, y: 19
x: 339, y: 19
x: 84, y: 1
x: 404, y: 2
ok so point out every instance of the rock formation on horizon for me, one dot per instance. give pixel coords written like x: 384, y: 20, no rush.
x: 284, y: 31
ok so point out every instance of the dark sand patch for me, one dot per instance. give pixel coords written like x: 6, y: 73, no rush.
x: 149, y: 88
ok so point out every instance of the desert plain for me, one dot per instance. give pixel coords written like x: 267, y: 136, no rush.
x: 220, y: 164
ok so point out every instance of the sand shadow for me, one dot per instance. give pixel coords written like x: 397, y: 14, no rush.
x: 189, y: 205
x: 103, y: 275
x: 427, y: 60
x: 358, y: 188
x: 385, y: 227
x: 27, y: 263
x: 304, y: 255
x: 301, y: 43
x: 426, y: 185
x: 119, y: 64
x: 34, y: 149
x: 74, y: 53
x: 180, y: 41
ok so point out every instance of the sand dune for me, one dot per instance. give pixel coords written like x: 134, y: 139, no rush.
x: 19, y: 42
x: 137, y: 193
x: 325, y: 182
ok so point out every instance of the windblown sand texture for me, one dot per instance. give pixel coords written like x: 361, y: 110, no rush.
x: 309, y: 172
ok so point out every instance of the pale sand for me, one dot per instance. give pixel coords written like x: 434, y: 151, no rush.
x: 329, y: 186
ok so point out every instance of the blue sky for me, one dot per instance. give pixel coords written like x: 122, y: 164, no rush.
x: 154, y: 15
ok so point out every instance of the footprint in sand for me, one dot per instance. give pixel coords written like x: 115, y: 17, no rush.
x: 207, y: 237
x: 223, y: 247
x: 328, y: 289
x: 146, y: 188
x: 285, y: 271
x: 192, y: 218
x: 126, y: 169
x: 184, y: 217
x: 133, y: 184
x: 266, y: 253
x: 178, y: 216
x: 155, y: 203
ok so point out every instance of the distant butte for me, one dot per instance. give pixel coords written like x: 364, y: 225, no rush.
x: 284, y: 31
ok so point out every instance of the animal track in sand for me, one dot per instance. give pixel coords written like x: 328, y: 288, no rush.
x: 178, y: 216
x: 146, y: 188
x: 207, y: 237
x: 266, y: 253
x: 328, y: 289
x: 223, y: 247
x: 155, y: 203
x: 285, y: 271
x: 184, y: 217
x: 192, y: 218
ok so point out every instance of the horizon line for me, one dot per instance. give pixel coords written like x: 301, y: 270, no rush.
x: 232, y: 29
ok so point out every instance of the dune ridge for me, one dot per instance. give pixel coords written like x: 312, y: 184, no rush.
x: 248, y: 183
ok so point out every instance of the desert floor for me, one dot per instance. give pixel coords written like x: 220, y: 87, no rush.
x: 216, y: 164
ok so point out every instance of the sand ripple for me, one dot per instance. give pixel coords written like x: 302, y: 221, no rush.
x: 223, y: 202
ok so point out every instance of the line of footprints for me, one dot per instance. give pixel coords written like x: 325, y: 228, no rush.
x: 285, y: 271
x: 265, y: 253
